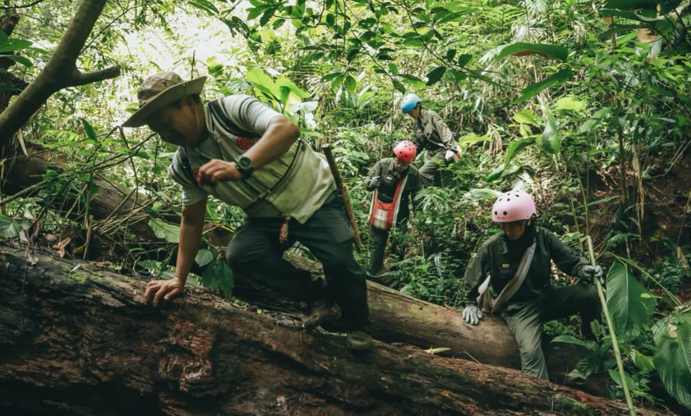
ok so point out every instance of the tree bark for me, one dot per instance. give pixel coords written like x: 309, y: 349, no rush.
x: 8, y: 21
x: 396, y: 318
x: 60, y: 72
x: 81, y: 342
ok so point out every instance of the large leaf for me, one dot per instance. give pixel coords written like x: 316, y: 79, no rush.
x: 521, y: 48
x: 11, y: 45
x: 9, y: 228
x: 516, y: 147
x: 570, y: 104
x: 476, y: 194
x: 526, y: 116
x: 204, y: 257
x: 263, y: 83
x: 90, y: 132
x: 629, y: 302
x: 550, y: 136
x: 219, y: 275
x: 568, y: 339
x: 286, y: 82
x: 434, y: 76
x: 595, y: 119
x: 534, y: 89
x: 164, y: 230
x: 673, y: 357
x: 472, y: 139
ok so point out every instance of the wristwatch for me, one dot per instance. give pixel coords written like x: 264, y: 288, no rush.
x: 245, y: 166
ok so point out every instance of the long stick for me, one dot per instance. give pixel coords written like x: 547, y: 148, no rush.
x: 615, y: 345
x: 343, y: 191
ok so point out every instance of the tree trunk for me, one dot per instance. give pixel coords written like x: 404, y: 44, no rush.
x: 81, y: 342
x: 8, y: 21
x: 395, y: 317
x: 60, y: 72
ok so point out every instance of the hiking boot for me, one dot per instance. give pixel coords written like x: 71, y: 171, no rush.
x: 318, y: 312
x: 359, y: 341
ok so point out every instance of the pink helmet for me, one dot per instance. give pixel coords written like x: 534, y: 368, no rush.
x: 513, y: 206
x: 405, y: 150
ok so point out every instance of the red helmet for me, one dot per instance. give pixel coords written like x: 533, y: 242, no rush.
x: 405, y: 150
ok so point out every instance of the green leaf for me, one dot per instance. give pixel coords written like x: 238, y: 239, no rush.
x: 526, y: 116
x: 614, y: 374
x: 472, y: 139
x: 285, y: 82
x: 550, y: 136
x: 434, y: 76
x: 643, y: 362
x: 570, y: 104
x: 164, y: 230
x: 516, y: 147
x: 626, y: 303
x: 595, y: 120
x: 568, y: 339
x: 450, y: 54
x: 477, y: 194
x: 673, y: 357
x: 495, y: 173
x: 631, y: 4
x: 350, y: 84
x: 219, y: 275
x: 263, y: 82
x: 534, y: 89
x: 352, y: 54
x: 90, y: 132
x: 22, y: 60
x: 9, y: 228
x: 393, y: 68
x: 12, y: 45
x: 521, y: 48
x: 464, y: 59
x: 204, y: 257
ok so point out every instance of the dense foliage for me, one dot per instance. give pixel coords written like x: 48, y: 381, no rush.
x: 585, y: 104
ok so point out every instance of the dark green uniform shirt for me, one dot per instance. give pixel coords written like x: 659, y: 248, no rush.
x: 495, y: 258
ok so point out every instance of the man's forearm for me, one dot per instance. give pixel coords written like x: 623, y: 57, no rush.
x: 277, y: 139
x: 190, y: 238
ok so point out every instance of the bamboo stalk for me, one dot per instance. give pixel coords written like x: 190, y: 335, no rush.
x: 615, y: 345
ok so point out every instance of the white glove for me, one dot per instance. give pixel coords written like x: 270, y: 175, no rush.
x: 472, y: 315
x: 453, y: 154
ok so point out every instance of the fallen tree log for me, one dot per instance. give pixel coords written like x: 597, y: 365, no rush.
x: 395, y: 316
x: 81, y: 342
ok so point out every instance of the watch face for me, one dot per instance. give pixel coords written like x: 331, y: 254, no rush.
x: 244, y: 162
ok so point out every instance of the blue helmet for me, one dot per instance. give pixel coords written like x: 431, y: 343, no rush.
x: 409, y: 102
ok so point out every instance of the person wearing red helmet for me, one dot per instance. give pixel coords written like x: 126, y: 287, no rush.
x: 394, y: 180
x: 518, y: 262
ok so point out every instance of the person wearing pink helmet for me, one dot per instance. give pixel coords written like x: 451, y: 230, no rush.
x: 394, y: 180
x: 518, y: 263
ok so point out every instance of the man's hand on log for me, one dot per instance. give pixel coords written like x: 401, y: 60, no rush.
x: 166, y: 289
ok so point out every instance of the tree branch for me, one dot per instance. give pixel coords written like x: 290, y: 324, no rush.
x: 59, y: 73
x: 23, y: 6
x: 91, y: 77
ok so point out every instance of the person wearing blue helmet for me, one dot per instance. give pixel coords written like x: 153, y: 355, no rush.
x: 433, y: 135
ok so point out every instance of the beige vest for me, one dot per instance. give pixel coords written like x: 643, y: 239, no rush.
x: 294, y: 185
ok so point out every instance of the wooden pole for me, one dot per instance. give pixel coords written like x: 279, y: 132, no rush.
x: 343, y: 191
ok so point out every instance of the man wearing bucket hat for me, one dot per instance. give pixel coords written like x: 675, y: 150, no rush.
x: 395, y: 183
x: 433, y: 135
x: 245, y: 154
x: 518, y: 262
